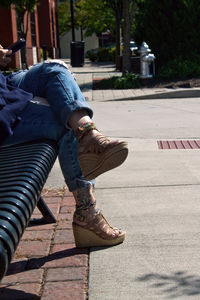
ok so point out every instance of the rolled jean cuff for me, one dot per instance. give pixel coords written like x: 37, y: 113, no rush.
x: 71, y: 108
x: 77, y: 184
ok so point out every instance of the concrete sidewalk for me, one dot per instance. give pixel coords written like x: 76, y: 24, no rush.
x: 90, y: 72
x: 154, y: 196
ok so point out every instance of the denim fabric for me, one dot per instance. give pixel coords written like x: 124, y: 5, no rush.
x: 56, y: 83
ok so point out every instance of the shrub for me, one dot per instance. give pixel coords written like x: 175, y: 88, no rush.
x: 42, y: 52
x: 102, y: 54
x: 170, y: 28
x: 112, y: 52
x: 92, y: 55
x: 181, y: 68
x: 107, y: 83
x: 128, y: 81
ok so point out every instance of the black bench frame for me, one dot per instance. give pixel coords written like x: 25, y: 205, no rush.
x: 24, y: 169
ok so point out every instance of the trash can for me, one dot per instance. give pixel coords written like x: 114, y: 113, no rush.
x: 77, y: 54
x: 135, y: 64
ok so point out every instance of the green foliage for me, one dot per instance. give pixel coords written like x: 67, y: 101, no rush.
x: 96, y: 16
x: 105, y: 54
x: 170, y: 28
x: 128, y: 81
x: 107, y: 83
x: 102, y: 54
x: 181, y: 68
x: 92, y: 15
x: 42, y: 54
x: 21, y: 5
x: 92, y: 55
x: 112, y: 53
x: 64, y: 17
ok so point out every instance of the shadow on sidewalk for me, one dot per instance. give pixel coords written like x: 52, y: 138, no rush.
x: 85, y: 86
x: 13, y: 294
x: 38, y: 262
x: 175, y: 285
x: 157, y: 96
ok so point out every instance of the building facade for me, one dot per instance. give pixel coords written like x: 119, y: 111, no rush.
x: 90, y: 42
x: 42, y: 32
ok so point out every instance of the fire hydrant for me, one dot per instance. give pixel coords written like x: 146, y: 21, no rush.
x: 145, y: 61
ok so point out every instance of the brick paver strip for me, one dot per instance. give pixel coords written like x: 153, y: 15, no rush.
x: 46, y: 264
x: 66, y: 290
x: 179, y: 144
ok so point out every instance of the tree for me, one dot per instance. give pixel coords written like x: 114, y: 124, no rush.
x: 129, y: 8
x: 97, y: 16
x: 170, y: 28
x: 116, y: 6
x: 23, y: 9
x: 126, y: 65
x: 64, y: 16
x: 93, y: 16
x: 89, y: 14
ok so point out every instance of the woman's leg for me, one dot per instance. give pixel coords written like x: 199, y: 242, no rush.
x: 96, y: 153
x: 54, y: 81
x: 39, y: 122
x: 89, y: 225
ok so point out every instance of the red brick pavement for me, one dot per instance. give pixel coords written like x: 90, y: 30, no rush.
x: 46, y: 264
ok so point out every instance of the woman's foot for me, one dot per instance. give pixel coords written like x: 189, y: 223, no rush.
x: 96, y: 153
x: 93, y: 230
x: 90, y: 227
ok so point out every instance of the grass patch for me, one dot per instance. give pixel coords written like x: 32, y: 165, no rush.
x: 128, y: 81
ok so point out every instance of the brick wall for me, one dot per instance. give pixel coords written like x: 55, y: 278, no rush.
x: 45, y: 30
x: 48, y: 32
x: 8, y: 32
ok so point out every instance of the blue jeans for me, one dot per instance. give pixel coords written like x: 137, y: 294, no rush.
x: 54, y: 82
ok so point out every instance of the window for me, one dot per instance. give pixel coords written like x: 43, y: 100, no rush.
x: 52, y: 26
x: 33, y: 31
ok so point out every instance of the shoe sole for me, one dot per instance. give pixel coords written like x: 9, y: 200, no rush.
x: 104, y: 162
x: 85, y: 238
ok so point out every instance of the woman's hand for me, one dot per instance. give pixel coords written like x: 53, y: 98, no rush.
x: 4, y: 60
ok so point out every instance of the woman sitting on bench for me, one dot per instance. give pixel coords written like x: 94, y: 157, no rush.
x: 60, y: 112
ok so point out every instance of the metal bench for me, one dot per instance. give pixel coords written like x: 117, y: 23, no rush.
x: 24, y: 169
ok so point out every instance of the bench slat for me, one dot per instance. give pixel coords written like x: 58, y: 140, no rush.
x: 24, y: 169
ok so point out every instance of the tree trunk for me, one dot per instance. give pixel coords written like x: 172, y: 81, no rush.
x: 72, y: 20
x: 117, y: 39
x: 126, y: 67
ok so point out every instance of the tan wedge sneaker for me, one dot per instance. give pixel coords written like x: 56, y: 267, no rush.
x: 96, y: 153
x: 95, y: 232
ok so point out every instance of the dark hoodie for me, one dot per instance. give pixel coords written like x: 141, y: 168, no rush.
x: 12, y: 101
